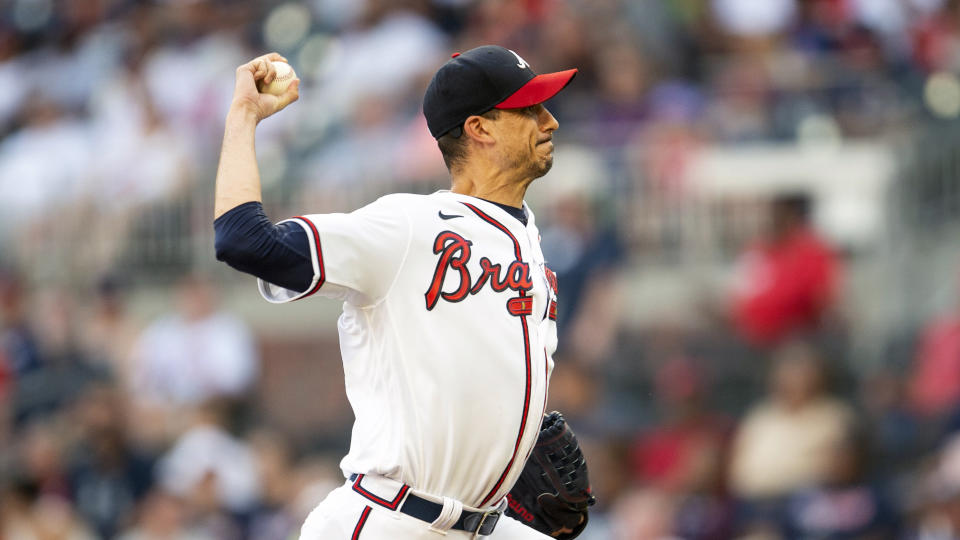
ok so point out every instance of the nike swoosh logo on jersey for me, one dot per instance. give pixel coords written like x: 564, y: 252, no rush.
x: 447, y: 216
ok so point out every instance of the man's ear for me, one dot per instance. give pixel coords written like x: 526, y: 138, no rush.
x: 478, y: 128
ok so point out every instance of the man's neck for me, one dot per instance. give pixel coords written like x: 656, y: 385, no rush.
x: 498, y: 188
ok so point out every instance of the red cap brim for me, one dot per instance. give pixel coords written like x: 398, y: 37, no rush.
x: 538, y: 90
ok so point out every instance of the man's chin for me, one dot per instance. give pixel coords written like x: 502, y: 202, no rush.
x: 543, y: 167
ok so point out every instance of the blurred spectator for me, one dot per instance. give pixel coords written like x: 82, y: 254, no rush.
x: 391, y: 47
x: 19, y: 351
x: 149, y: 163
x: 381, y: 141
x: 107, y: 476
x: 188, y: 357
x: 108, y: 333
x: 845, y: 505
x: 11, y: 73
x: 644, y: 514
x: 84, y: 52
x: 163, y: 516
x: 36, y: 504
x: 749, y: 19
x: 787, y: 281
x: 685, y: 455
x: 684, y: 452
x: 935, y: 377
x: 64, y: 373
x: 6, y: 402
x: 619, y: 108
x: 666, y: 144
x: 204, y: 40
x: 40, y: 460
x: 897, y: 436
x: 935, y: 34
x: 53, y: 183
x: 213, y: 471
x: 54, y: 317
x: 786, y: 441
x: 739, y: 112
x: 586, y: 255
x: 31, y: 517
x: 274, y: 518
x: 575, y: 391
x: 939, y: 509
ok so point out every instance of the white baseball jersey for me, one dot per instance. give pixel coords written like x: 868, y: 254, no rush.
x: 447, y: 332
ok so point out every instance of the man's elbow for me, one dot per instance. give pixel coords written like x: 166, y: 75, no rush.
x: 239, y: 233
x: 229, y: 250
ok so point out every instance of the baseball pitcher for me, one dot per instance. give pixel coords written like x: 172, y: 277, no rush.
x: 449, y: 314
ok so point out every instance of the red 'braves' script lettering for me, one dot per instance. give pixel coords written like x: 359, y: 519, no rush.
x: 552, y: 280
x: 454, y: 251
x: 517, y: 278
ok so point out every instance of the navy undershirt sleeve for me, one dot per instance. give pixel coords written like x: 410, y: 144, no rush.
x: 279, y: 254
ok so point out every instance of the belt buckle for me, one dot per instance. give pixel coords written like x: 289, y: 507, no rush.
x: 485, y: 527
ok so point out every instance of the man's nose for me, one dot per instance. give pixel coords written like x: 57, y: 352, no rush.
x: 547, y: 121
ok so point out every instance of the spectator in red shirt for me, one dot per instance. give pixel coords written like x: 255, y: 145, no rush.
x: 935, y: 382
x: 787, y: 280
x: 690, y: 440
x: 683, y: 458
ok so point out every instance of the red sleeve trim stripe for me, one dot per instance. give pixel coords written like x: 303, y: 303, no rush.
x: 316, y: 241
x: 363, y: 521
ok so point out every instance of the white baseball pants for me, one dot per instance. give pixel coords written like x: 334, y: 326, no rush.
x: 345, y: 514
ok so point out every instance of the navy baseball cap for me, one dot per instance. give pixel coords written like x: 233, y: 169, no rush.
x: 485, y: 78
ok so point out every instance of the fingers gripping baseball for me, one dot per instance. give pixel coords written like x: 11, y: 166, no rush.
x: 260, y: 72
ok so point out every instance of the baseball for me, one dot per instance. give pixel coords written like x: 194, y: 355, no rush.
x: 285, y: 76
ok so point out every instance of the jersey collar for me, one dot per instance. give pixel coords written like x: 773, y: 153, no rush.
x: 493, y: 210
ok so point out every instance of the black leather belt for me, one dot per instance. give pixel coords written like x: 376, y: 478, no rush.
x: 481, y: 523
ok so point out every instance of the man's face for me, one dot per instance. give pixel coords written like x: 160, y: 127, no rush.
x: 525, y: 137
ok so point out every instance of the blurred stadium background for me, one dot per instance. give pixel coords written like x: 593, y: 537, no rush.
x: 754, y: 214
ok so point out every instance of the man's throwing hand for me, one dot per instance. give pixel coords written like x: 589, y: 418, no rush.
x: 261, y: 71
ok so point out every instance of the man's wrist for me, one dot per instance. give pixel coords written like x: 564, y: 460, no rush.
x: 242, y: 112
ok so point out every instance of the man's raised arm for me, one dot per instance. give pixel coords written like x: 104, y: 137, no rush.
x: 245, y: 238
x: 238, y: 178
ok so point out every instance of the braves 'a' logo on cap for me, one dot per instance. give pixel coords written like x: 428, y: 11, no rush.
x: 521, y: 63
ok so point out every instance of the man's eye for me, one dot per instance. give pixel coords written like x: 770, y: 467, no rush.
x: 531, y: 111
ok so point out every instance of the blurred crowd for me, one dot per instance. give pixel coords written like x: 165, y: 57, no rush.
x: 112, y: 429
x: 130, y: 96
x: 750, y: 422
